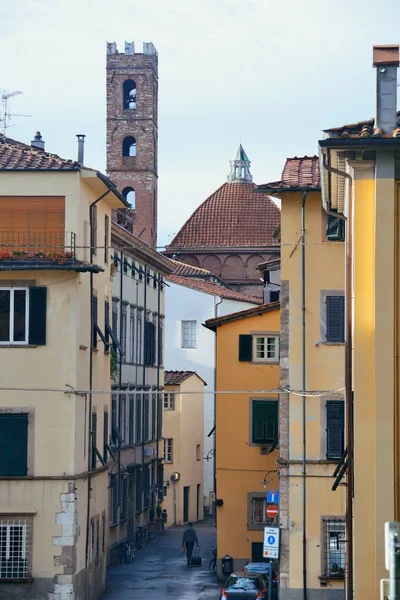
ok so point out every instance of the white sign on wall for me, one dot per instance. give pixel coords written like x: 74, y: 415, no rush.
x: 271, y: 542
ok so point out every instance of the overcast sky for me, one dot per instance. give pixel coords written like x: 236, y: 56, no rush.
x: 270, y: 73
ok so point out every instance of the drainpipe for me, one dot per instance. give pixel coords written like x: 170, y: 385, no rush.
x: 303, y: 383
x: 216, y: 304
x: 348, y: 376
x: 90, y: 375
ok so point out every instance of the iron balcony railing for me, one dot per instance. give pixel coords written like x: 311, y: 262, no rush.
x: 37, y: 244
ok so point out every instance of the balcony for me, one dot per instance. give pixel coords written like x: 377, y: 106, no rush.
x: 123, y: 218
x: 41, y: 250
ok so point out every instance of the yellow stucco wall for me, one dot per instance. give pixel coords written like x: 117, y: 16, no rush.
x: 240, y: 466
x: 324, y: 272
x: 185, y: 426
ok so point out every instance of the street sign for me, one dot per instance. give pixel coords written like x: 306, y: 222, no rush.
x: 271, y: 542
x: 272, y: 511
x: 273, y: 496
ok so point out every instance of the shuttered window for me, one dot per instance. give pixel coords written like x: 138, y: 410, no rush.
x: 13, y: 444
x: 94, y: 439
x: 334, y: 429
x: 150, y: 343
x: 153, y: 416
x: 114, y: 500
x: 264, y: 421
x: 105, y: 437
x: 335, y: 319
x: 94, y: 321
x: 146, y: 417
x: 138, y: 418
x: 335, y: 228
x: 23, y: 316
x: 245, y: 348
x: 131, y: 436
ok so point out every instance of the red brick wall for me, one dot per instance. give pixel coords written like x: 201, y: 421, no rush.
x: 139, y: 172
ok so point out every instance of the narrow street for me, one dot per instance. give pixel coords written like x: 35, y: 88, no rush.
x: 159, y: 571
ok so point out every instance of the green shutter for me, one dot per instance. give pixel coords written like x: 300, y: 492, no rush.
x: 147, y: 343
x: 335, y: 319
x: 335, y: 228
x: 94, y: 321
x: 131, y: 419
x: 13, y: 444
x: 94, y: 439
x: 334, y: 429
x: 106, y: 323
x: 105, y: 437
x: 245, y: 348
x: 37, y: 315
x: 264, y: 421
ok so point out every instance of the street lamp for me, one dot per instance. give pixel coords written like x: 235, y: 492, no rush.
x: 267, y: 478
x: 175, y: 477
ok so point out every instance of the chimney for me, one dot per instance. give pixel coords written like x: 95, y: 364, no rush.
x: 37, y: 141
x: 81, y: 147
x: 386, y: 61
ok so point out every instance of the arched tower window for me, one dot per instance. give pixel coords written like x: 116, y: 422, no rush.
x: 129, y: 94
x: 130, y: 195
x: 129, y: 146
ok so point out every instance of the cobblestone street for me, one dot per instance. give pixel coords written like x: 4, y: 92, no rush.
x: 159, y: 571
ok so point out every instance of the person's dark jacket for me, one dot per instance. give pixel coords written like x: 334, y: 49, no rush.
x: 190, y: 536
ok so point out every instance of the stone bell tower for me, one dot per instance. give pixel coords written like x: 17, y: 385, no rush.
x: 132, y: 135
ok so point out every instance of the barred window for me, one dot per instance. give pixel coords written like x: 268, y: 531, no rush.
x: 259, y: 511
x: 15, y: 548
x: 334, y: 547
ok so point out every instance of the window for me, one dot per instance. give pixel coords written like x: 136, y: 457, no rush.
x: 13, y: 444
x: 115, y: 317
x: 93, y: 242
x: 139, y: 491
x: 139, y: 341
x: 146, y: 482
x: 124, y: 498
x: 132, y: 336
x: 114, y: 500
x: 94, y: 321
x: 106, y: 237
x: 335, y: 319
x: 131, y: 432
x: 266, y: 347
x: 334, y: 547
x: 335, y: 228
x: 129, y: 146
x: 114, y: 412
x: 168, y: 450
x: 129, y: 94
x: 106, y: 325
x: 94, y: 439
x: 198, y: 451
x: 138, y: 418
x: 159, y: 416
x: 15, y: 548
x: 260, y: 348
x: 150, y: 343
x: 122, y: 417
x: 146, y: 417
x: 160, y: 344
x: 23, y: 315
x: 130, y: 196
x: 169, y: 401
x: 153, y: 416
x: 259, y: 511
x: 264, y: 421
x: 124, y: 327
x: 189, y: 334
x: 105, y: 437
x: 334, y: 429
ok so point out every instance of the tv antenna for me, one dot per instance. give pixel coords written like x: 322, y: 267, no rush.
x: 6, y: 115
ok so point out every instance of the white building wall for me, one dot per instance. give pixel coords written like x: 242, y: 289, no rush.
x: 186, y: 304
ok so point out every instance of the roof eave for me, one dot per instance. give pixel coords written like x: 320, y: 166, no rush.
x: 359, y: 142
x: 267, y: 190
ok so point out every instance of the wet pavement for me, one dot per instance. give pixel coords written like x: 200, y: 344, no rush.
x: 159, y: 571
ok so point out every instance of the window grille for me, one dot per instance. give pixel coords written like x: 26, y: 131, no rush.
x: 259, y: 511
x: 15, y: 548
x: 334, y: 547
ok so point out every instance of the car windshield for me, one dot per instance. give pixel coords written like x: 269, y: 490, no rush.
x: 242, y: 583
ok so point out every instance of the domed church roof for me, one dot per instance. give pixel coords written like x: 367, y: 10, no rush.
x: 235, y: 215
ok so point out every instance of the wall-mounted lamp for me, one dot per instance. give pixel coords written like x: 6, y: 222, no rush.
x: 267, y: 478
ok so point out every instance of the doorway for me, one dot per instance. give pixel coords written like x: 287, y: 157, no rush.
x: 186, y: 490
x: 198, y: 502
x: 257, y: 552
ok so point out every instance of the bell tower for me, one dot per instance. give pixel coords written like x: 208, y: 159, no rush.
x: 132, y: 135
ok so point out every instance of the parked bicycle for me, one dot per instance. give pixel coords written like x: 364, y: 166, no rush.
x: 212, y: 567
x: 141, y: 538
x: 126, y: 551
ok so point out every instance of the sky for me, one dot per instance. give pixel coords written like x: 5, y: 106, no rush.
x: 269, y: 74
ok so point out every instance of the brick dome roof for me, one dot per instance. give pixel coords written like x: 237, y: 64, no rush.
x: 235, y: 215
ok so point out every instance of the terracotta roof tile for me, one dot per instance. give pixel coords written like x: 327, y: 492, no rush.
x: 361, y: 130
x: 250, y: 312
x: 184, y: 270
x: 16, y: 156
x: 212, y: 288
x: 298, y: 173
x: 177, y: 377
x: 233, y: 216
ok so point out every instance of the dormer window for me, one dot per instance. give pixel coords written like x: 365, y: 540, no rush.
x: 129, y: 94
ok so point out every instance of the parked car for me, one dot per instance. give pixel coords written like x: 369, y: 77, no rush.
x: 245, y: 587
x: 261, y: 568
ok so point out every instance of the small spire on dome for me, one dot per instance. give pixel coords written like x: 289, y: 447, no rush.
x: 240, y: 167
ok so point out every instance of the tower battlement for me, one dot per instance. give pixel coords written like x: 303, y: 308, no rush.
x: 148, y: 48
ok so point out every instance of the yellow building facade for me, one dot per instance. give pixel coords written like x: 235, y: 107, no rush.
x: 361, y: 181
x: 54, y: 290
x: 311, y: 410
x: 246, y: 429
x: 183, y: 433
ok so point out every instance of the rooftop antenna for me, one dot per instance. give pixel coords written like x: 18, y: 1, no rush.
x: 6, y: 115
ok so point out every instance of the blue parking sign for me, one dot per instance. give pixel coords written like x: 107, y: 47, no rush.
x: 273, y: 496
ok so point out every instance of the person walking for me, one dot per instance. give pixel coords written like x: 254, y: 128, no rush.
x: 189, y: 539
